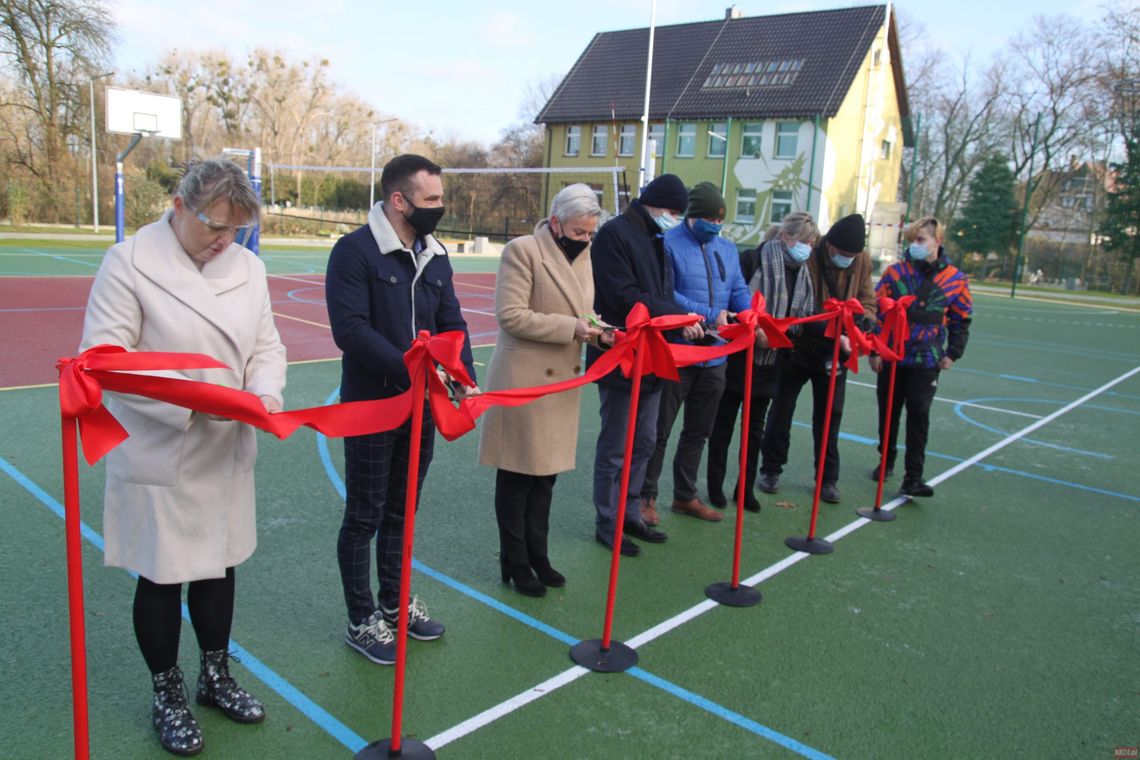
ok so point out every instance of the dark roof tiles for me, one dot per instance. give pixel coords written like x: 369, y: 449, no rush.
x: 608, y: 80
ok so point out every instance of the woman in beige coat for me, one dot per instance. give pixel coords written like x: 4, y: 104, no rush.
x: 544, y: 296
x: 179, y: 503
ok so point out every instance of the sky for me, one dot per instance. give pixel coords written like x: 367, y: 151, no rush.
x: 461, y: 68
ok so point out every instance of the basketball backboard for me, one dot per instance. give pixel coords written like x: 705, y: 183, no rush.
x: 133, y: 111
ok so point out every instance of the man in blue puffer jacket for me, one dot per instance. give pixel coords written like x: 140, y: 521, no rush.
x: 706, y: 281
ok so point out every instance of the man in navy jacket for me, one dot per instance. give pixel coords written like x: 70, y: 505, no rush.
x: 630, y: 267
x: 386, y: 281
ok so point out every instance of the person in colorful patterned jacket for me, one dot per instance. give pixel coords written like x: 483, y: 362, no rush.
x: 939, y: 320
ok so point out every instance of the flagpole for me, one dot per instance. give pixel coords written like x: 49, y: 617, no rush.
x: 645, y: 108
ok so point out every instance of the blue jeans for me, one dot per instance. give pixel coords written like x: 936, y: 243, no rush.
x: 610, y: 453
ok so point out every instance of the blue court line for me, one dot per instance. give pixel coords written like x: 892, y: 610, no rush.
x: 76, y: 261
x: 307, y: 707
x: 1046, y: 346
x: 958, y: 410
x: 1019, y: 378
x: 732, y: 717
x: 990, y: 467
x: 532, y: 622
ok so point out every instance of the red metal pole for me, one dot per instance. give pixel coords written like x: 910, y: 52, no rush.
x: 418, y: 388
x: 619, y: 528
x: 745, y: 419
x: 75, y: 588
x: 826, y: 429
x: 886, y: 434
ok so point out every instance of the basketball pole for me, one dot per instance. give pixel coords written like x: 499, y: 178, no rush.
x: 120, y: 213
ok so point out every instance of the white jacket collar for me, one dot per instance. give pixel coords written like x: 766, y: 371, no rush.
x: 387, y: 239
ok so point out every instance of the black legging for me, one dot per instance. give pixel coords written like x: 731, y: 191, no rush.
x: 158, y: 617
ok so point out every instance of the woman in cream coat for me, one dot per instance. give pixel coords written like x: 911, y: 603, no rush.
x: 179, y: 503
x: 543, y: 294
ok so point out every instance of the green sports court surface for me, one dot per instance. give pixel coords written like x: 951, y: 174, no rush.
x: 999, y: 619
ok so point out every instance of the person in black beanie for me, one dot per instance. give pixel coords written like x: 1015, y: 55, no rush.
x: 839, y: 268
x: 630, y: 267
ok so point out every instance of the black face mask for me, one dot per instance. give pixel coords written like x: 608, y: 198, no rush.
x: 423, y: 220
x: 571, y: 246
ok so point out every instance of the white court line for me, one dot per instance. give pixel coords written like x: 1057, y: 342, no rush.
x: 476, y: 311
x: 568, y: 676
x: 963, y: 403
x: 295, y: 279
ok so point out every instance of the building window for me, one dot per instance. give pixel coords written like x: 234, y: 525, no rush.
x: 745, y: 206
x: 573, y: 140
x: 686, y: 140
x: 598, y: 140
x: 657, y: 133
x: 750, y: 142
x: 781, y: 205
x: 718, y: 139
x: 626, y: 139
x: 885, y: 150
x: 876, y: 57
x: 787, y: 134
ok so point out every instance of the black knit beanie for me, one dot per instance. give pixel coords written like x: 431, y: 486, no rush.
x: 849, y: 234
x: 705, y: 202
x: 667, y: 191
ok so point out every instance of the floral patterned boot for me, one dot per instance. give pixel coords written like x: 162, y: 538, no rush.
x: 178, y: 732
x: 217, y: 688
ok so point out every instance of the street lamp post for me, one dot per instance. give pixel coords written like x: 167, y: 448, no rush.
x: 94, y: 163
x: 372, y: 174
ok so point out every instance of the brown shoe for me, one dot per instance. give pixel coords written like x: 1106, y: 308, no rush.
x: 697, y: 508
x: 649, y: 512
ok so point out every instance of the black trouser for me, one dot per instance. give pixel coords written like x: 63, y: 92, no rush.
x: 778, y: 430
x: 699, y: 390
x: 764, y: 383
x: 522, y: 508
x: 376, y: 486
x: 157, y: 617
x: 915, y: 387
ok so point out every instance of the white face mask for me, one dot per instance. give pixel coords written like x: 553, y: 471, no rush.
x: 666, y: 221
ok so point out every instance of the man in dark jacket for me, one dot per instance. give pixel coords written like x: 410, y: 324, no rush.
x: 630, y: 267
x: 839, y: 268
x: 387, y: 281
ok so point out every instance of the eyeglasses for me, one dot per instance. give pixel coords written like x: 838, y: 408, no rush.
x: 236, y: 229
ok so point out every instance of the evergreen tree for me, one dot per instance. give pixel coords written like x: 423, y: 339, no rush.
x: 1120, y: 229
x: 988, y: 221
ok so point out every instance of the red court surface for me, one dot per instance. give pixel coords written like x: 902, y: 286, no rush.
x: 41, y: 319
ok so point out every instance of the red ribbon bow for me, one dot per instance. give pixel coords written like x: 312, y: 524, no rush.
x: 842, y: 321
x: 444, y: 349
x: 895, y: 331
x: 659, y: 359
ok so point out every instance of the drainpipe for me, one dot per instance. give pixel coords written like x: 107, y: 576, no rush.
x: 811, y: 166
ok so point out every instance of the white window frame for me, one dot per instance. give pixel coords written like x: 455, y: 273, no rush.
x: 721, y: 143
x: 784, y: 201
x: 573, y: 140
x: 687, y: 132
x: 745, y: 196
x: 627, y: 139
x: 885, y: 150
x: 599, y: 133
x: 752, y: 131
x: 786, y: 130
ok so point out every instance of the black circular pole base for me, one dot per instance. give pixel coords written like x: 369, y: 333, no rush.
x: 724, y: 593
x: 617, y: 659
x: 382, y: 750
x: 878, y: 515
x: 809, y: 545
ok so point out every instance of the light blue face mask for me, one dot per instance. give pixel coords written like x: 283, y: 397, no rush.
x: 666, y: 221
x: 918, y: 252
x: 704, y: 230
x: 841, y: 261
x: 800, y: 251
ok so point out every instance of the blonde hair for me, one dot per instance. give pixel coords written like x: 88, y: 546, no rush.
x: 927, y: 221
x: 799, y: 225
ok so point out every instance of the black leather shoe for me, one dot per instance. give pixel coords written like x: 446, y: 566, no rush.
x: 716, y: 497
x: 873, y: 473
x: 628, y: 548
x: 645, y: 533
x: 751, y: 503
x: 547, y: 574
x: 768, y: 482
x: 523, y: 578
x: 915, y: 487
x: 829, y: 493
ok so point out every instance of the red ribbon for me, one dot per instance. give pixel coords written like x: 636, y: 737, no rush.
x: 895, y: 332
x: 841, y: 316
